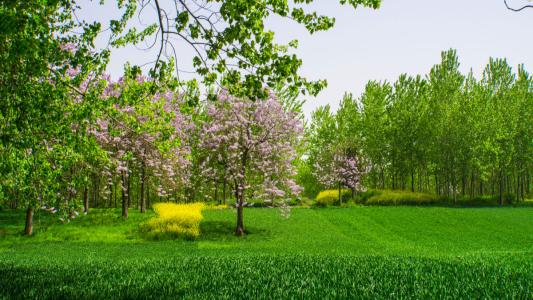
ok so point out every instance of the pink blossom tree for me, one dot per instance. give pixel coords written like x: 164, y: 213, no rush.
x: 337, y: 168
x: 145, y: 131
x: 255, y: 142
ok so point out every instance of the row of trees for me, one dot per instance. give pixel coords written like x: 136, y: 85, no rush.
x: 69, y: 134
x: 151, y: 138
x: 445, y: 133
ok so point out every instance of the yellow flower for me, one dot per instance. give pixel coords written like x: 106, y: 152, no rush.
x: 176, y: 219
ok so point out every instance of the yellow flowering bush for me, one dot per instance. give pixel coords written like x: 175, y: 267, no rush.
x: 331, y: 197
x: 175, y: 220
x: 217, y: 207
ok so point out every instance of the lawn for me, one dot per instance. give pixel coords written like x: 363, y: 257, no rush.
x: 363, y: 252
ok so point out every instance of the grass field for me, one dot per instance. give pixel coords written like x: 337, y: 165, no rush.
x: 359, y: 252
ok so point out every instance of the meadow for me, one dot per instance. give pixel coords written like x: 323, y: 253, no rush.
x: 356, y: 252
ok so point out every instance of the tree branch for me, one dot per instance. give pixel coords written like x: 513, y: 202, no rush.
x: 517, y: 9
x: 162, y: 32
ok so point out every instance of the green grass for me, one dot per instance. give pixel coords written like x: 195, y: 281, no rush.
x: 362, y: 252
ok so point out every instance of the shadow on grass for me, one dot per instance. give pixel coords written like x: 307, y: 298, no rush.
x: 222, y: 230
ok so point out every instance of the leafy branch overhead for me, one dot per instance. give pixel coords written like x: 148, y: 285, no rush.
x: 232, y: 46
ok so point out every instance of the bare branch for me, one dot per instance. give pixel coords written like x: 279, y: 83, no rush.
x: 517, y: 9
x: 162, y: 32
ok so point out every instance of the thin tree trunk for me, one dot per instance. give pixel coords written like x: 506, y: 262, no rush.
x: 110, y: 198
x: 85, y: 200
x: 28, y: 229
x: 412, y: 181
x: 148, y: 196
x: 522, y: 187
x: 224, y: 191
x: 382, y: 179
x: 216, y: 192
x: 128, y: 194
x: 95, y: 193
x: 143, y: 178
x: 239, y: 203
x: 16, y: 199
x: 124, y: 197
x: 501, y: 188
x: 340, y: 198
x: 437, y: 185
x: 239, y: 231
x: 420, y: 180
x: 526, y: 183
x: 472, y: 185
x: 463, y: 184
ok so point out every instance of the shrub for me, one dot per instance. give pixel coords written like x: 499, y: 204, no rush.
x: 331, y: 197
x: 363, y: 197
x: 217, y: 206
x: 174, y: 220
x: 401, y: 198
x: 481, y: 200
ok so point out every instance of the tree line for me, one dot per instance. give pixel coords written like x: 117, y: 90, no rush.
x: 446, y: 133
x: 70, y: 135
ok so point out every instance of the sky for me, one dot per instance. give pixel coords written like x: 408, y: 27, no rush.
x: 403, y: 36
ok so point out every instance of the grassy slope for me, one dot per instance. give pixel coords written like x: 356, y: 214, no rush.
x: 364, y: 251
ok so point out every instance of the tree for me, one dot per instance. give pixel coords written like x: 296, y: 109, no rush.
x: 375, y: 128
x: 146, y: 132
x: 448, y: 133
x: 41, y: 123
x: 341, y: 168
x: 231, y: 45
x: 256, y: 140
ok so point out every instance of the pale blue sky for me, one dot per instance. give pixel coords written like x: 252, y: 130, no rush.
x: 403, y: 36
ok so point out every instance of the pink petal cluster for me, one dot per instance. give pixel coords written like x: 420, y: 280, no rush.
x: 151, y: 135
x: 252, y: 145
x: 334, y: 168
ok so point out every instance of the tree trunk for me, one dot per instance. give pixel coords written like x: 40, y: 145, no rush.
x: 95, y: 193
x: 28, y: 229
x: 454, y: 189
x: 463, y: 184
x: 85, y: 200
x: 412, y: 181
x: 437, y: 190
x: 340, y: 198
x: 148, y: 196
x: 143, y: 178
x: 128, y: 194
x: 472, y: 186
x: 382, y: 179
x: 526, y: 184
x: 240, y: 186
x: 522, y: 196
x: 239, y: 231
x: 501, y: 189
x: 216, y: 191
x: 124, y: 198
x: 239, y: 203
x: 224, y: 191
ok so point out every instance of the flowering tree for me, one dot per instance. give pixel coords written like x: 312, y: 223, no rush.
x: 146, y: 132
x: 254, y: 141
x: 337, y: 168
